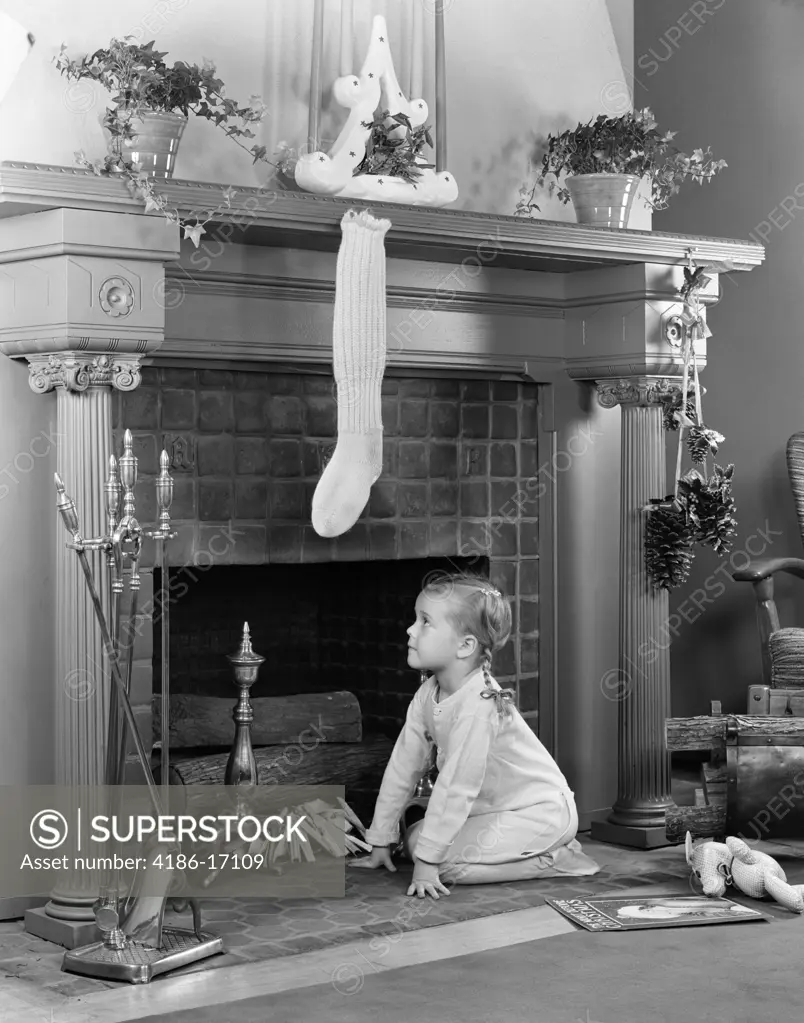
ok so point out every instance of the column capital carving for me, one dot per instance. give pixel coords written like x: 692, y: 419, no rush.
x: 78, y: 371
x: 642, y: 391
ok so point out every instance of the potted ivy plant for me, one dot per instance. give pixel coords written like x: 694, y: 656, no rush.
x: 599, y: 165
x: 152, y: 101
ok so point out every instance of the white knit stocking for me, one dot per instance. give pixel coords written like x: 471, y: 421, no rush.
x: 358, y: 343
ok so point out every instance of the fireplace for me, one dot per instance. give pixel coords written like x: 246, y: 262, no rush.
x: 246, y: 451
x: 322, y: 627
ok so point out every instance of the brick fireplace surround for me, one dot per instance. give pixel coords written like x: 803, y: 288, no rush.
x: 247, y: 450
x: 517, y: 349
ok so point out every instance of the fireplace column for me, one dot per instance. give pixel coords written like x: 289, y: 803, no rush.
x: 84, y: 384
x: 641, y: 683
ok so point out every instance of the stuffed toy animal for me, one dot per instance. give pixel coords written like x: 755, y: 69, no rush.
x: 753, y: 873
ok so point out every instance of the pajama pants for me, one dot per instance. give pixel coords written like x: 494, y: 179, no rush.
x: 514, y: 845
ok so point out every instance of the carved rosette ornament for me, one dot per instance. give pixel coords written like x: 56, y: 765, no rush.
x: 77, y: 373
x: 116, y: 297
x: 641, y: 391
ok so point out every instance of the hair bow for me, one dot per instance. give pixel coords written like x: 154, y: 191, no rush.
x: 503, y: 698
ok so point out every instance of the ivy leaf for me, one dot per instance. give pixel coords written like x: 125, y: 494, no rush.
x: 194, y: 233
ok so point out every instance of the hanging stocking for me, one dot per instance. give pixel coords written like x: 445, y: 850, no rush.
x: 358, y: 343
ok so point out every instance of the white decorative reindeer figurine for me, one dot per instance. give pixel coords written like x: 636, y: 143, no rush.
x: 333, y: 173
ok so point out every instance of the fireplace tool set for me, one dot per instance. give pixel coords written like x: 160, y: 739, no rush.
x: 135, y: 946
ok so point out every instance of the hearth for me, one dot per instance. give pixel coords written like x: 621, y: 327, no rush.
x: 321, y: 627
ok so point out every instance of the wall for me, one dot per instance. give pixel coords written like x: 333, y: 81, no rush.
x: 28, y: 527
x: 731, y: 80
x: 504, y: 64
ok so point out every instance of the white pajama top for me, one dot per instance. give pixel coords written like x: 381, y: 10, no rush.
x: 487, y: 763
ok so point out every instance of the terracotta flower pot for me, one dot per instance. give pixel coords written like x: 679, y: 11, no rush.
x: 156, y: 143
x: 603, y: 200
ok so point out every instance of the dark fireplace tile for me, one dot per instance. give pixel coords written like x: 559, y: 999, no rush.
x: 286, y: 414
x: 287, y: 500
x: 285, y: 543
x: 251, y: 456
x: 182, y: 547
x: 444, y: 461
x: 443, y: 538
x: 178, y: 409
x: 504, y: 533
x: 529, y: 420
x: 528, y: 616
x: 413, y: 459
x: 505, y: 390
x: 504, y: 423
x: 216, y: 546
x: 278, y: 383
x: 475, y: 539
x: 215, y: 455
x: 285, y: 458
x: 390, y: 386
x: 529, y: 459
x: 390, y: 416
x: 215, y: 411
x: 390, y: 457
x: 414, y: 388
x: 250, y: 544
x: 413, y: 539
x: 474, y: 459
x: 503, y: 460
x: 354, y: 544
x: 506, y: 499
x: 316, y: 548
x: 382, y: 541
x: 249, y: 412
x: 443, y: 498
x: 529, y: 537
x: 412, y: 500
x: 251, y: 499
x: 503, y: 575
x: 446, y: 389
x: 251, y: 381
x: 216, y: 378
x: 382, y: 503
x: 146, y: 502
x: 141, y: 409
x: 183, y: 504
x: 475, y: 421
x: 475, y: 390
x: 145, y: 451
x: 319, y: 385
x: 474, y: 498
x: 528, y: 655
x: 528, y: 694
x: 505, y: 660
x: 322, y: 417
x: 315, y: 455
x: 528, y: 577
x: 179, y: 378
x: 444, y: 419
x: 214, y: 500
x: 413, y: 418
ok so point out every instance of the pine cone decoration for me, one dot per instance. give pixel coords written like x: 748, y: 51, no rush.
x: 668, y: 548
x: 702, y: 443
x: 672, y: 406
x: 710, y: 507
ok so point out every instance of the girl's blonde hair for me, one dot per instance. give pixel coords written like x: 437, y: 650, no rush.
x: 475, y: 608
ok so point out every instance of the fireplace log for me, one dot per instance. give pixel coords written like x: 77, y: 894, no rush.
x: 701, y: 821
x: 306, y: 718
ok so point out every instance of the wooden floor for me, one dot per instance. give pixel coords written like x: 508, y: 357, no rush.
x: 339, y: 971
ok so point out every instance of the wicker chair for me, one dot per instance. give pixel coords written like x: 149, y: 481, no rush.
x: 782, y: 649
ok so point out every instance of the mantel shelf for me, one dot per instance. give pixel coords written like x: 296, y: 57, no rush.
x: 301, y: 220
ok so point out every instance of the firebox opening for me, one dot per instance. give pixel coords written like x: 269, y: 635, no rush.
x: 321, y: 627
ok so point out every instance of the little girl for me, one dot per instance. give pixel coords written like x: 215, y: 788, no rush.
x: 500, y: 810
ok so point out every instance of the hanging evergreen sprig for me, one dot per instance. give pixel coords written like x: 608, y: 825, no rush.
x: 702, y: 509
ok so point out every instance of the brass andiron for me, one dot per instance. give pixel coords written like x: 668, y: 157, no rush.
x: 241, y: 768
x: 136, y: 946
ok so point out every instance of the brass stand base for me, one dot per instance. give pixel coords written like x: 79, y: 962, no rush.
x: 138, y: 963
x: 67, y: 933
x: 634, y: 838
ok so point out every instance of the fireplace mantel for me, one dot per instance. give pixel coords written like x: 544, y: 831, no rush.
x: 92, y: 289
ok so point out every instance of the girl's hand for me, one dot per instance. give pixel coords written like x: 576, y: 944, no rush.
x: 426, y: 881
x: 380, y: 856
